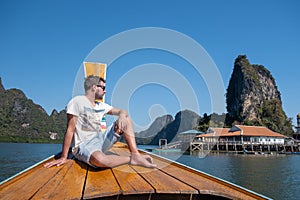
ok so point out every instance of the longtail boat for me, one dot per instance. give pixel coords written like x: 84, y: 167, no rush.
x: 76, y: 180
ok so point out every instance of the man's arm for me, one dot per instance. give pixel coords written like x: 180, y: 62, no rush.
x: 124, y: 126
x: 122, y: 121
x: 67, y: 142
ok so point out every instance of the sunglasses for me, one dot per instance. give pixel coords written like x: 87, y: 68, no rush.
x: 101, y: 86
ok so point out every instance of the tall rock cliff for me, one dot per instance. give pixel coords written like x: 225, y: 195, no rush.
x: 184, y: 120
x: 21, y: 120
x: 146, y: 136
x: 253, y: 98
x: 166, y: 127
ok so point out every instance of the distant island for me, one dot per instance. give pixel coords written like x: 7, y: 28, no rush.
x: 252, y: 98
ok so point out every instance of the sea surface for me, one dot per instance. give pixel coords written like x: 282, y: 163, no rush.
x: 15, y: 157
x: 275, y: 176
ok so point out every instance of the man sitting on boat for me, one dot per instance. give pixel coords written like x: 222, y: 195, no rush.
x: 89, y: 143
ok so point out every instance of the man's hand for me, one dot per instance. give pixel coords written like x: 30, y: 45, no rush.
x: 72, y: 119
x: 57, y: 163
x: 122, y: 123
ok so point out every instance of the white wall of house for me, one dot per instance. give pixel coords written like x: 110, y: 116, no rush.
x: 253, y: 139
x: 267, y: 140
x: 210, y: 139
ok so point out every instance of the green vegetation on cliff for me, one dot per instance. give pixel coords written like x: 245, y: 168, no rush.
x: 21, y: 120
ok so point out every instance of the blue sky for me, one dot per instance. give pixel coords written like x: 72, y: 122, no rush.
x: 43, y: 45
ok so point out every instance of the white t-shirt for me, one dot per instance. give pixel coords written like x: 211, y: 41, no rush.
x: 89, y: 118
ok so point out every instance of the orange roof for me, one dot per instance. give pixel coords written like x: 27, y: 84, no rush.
x: 255, y: 131
x: 238, y: 130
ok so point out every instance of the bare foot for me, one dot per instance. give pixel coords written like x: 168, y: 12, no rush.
x: 142, y: 160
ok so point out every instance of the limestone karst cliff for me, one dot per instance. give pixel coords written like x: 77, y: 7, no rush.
x: 253, y: 98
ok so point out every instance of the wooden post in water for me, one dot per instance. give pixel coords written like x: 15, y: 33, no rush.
x: 260, y: 148
x: 235, y: 148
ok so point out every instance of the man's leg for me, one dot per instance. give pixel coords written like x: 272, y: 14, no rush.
x: 136, y: 157
x: 99, y: 159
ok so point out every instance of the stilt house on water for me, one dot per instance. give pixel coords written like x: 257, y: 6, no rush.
x: 242, y: 139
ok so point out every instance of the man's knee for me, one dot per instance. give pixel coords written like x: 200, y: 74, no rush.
x: 98, y: 159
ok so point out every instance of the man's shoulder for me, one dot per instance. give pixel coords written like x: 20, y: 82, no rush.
x: 78, y: 98
x: 74, y: 104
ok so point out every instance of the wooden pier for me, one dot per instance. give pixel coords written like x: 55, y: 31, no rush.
x: 76, y: 180
x: 239, y: 147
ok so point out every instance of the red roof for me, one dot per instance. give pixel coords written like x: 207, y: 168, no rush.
x: 255, y: 131
x: 239, y: 130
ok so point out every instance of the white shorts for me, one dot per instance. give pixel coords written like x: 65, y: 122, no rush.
x: 102, y: 142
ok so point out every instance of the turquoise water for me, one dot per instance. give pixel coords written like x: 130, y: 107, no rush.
x: 277, y: 177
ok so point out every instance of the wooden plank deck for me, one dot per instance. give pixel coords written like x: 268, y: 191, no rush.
x: 76, y: 180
